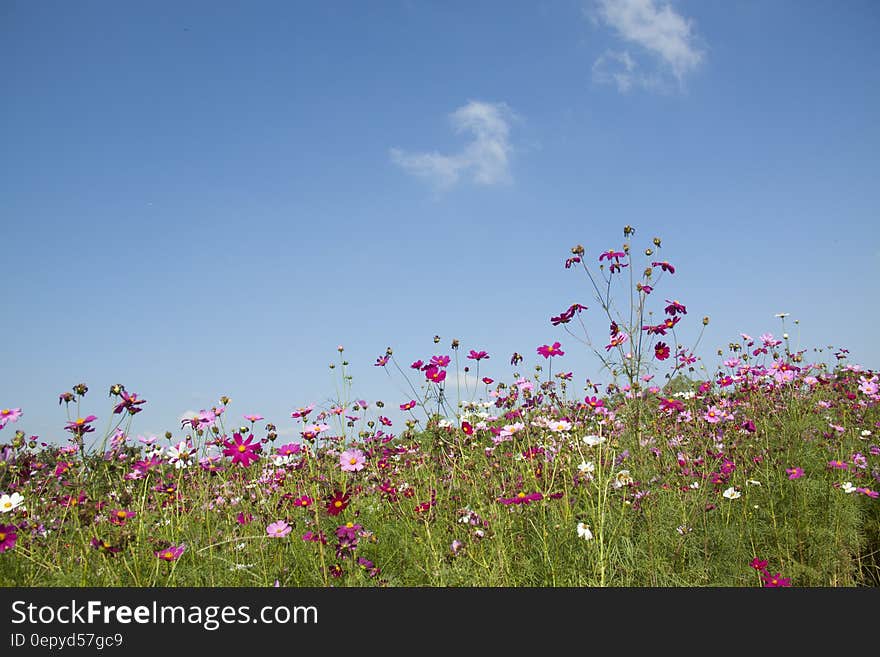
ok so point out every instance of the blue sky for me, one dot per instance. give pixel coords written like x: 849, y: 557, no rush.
x: 204, y: 198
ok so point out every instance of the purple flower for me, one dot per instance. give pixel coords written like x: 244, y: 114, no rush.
x: 8, y: 537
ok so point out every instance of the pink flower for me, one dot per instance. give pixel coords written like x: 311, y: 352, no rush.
x: 548, y: 351
x: 8, y: 537
x: 253, y: 418
x: 775, y: 581
x: 435, y: 374
x: 712, y: 415
x: 242, y: 451
x: 664, y: 266
x: 9, y: 415
x: 477, y: 355
x: 171, y: 553
x: 352, y: 460
x: 440, y: 361
x: 408, y: 405
x: 794, y: 473
x: 522, y: 498
x: 758, y: 564
x: 302, y: 412
x: 278, y: 529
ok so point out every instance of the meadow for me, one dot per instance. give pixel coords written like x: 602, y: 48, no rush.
x: 764, y: 473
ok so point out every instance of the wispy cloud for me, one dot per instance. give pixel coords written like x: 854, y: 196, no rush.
x: 484, y: 160
x: 658, y: 30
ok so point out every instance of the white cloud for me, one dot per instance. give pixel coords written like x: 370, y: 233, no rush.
x: 667, y: 36
x: 485, y: 159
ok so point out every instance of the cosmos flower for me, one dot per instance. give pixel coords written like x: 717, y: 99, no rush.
x: 9, y: 415
x: 11, y: 502
x: 8, y: 537
x: 548, y: 351
x: 243, y: 452
x: 731, y: 493
x: 278, y: 529
x: 583, y: 531
x: 352, y: 460
x: 171, y: 553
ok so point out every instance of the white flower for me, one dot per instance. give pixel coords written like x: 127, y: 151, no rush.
x: 584, y: 532
x: 587, y: 467
x: 622, y: 479
x: 11, y: 502
x: 753, y: 482
x: 444, y: 423
x: 683, y: 529
x: 731, y: 493
x: 781, y: 315
x: 865, y: 433
x: 180, y: 454
x: 695, y: 485
x: 847, y: 487
x: 592, y: 441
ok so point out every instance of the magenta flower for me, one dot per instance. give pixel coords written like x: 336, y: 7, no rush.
x: 522, y: 498
x: 352, y: 460
x: 278, y: 529
x: 675, y: 307
x: 477, y: 355
x: 869, y: 492
x: 671, y: 405
x: 302, y: 412
x: 80, y: 425
x: 305, y: 501
x: 8, y: 537
x: 794, y: 473
x: 775, y: 581
x: 120, y: 516
x: 9, y: 415
x: 611, y: 254
x: 661, y: 351
x: 440, y: 361
x: 382, y: 361
x: 129, y: 403
x: 758, y: 564
x: 837, y: 465
x: 242, y: 451
x: 665, y: 266
x: 435, y: 374
x: 243, y: 519
x: 548, y: 351
x: 103, y: 546
x: 408, y: 405
x: 290, y: 449
x: 171, y: 553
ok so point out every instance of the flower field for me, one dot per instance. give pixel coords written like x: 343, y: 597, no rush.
x: 765, y: 473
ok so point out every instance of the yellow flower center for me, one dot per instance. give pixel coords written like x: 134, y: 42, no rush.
x: 121, y: 514
x: 168, y: 555
x: 349, y: 524
x: 520, y: 494
x: 2, y: 537
x: 242, y: 448
x: 7, y: 505
x: 352, y: 461
x: 80, y: 421
x: 5, y: 411
x: 337, y: 503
